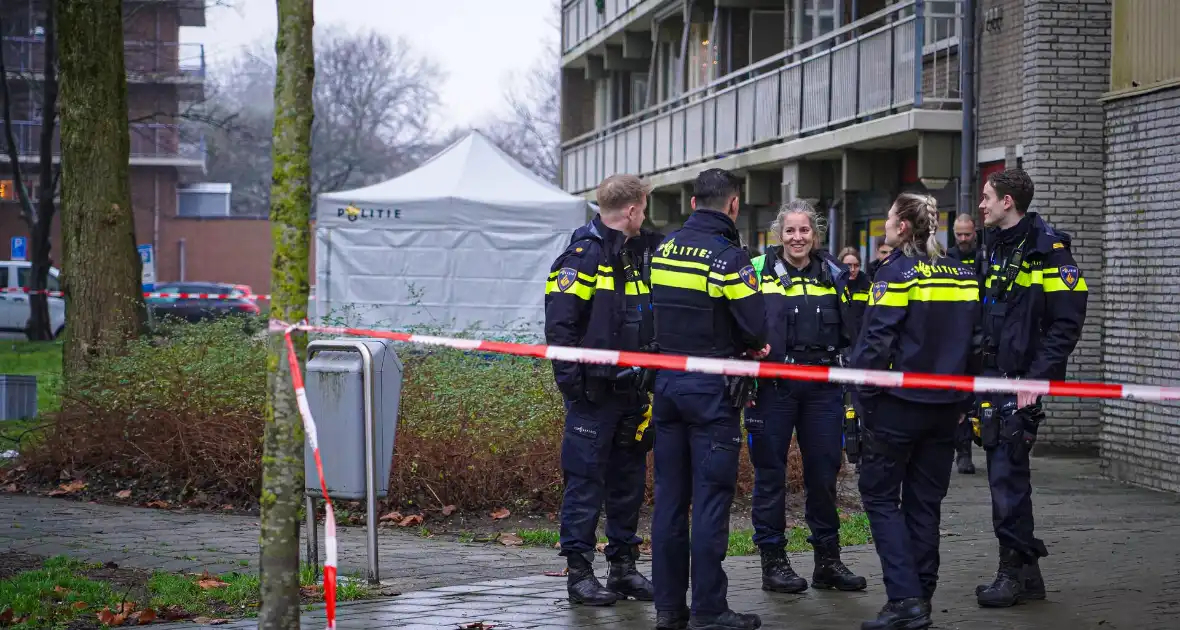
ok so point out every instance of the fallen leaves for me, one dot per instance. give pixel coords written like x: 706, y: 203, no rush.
x: 413, y: 519
x: 207, y: 582
x: 500, y: 514
x: 80, y: 605
x: 157, y: 504
x: 314, y: 591
x: 207, y: 621
x: 448, y: 510
x: 123, y: 494
x: 11, y: 488
x: 68, y: 488
x: 561, y: 573
x: 478, y: 625
x: 6, y: 617
x: 392, y: 516
x: 108, y: 617
x: 510, y: 539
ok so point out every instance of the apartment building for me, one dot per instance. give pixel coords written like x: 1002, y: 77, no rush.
x: 828, y: 100
x: 185, y: 220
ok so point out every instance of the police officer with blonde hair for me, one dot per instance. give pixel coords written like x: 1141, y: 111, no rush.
x: 597, y: 296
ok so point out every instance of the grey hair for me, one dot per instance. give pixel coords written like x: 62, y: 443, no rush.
x: 921, y: 212
x: 819, y: 225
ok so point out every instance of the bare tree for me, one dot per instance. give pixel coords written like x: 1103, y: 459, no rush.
x: 282, y: 462
x: 38, y: 215
x: 530, y: 131
x: 374, y: 101
x: 101, y: 268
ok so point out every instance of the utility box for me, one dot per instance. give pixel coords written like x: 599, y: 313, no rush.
x: 340, y: 400
x: 18, y: 397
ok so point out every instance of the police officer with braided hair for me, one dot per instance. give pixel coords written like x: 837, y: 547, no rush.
x: 707, y: 304
x: 1034, y: 305
x: 922, y: 316
x: 597, y: 297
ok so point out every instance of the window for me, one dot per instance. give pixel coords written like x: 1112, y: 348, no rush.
x: 942, y: 22
x: 819, y: 18
x: 24, y: 279
x: 638, y: 92
x: 702, y: 55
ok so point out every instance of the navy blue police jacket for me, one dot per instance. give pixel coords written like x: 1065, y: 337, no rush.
x: 1034, y: 322
x: 593, y: 299
x: 813, y: 312
x: 922, y: 316
x: 705, y: 292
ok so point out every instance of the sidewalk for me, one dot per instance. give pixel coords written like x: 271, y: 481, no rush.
x: 1115, y: 564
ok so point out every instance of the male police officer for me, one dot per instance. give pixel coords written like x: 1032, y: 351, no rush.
x: 966, y: 245
x: 707, y: 304
x: 1034, y: 305
x: 597, y: 297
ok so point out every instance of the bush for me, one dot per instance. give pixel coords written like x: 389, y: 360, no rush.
x: 179, y: 417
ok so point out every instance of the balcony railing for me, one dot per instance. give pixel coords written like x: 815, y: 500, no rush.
x: 158, y: 59
x: 148, y: 140
x: 856, y: 73
x: 580, y: 19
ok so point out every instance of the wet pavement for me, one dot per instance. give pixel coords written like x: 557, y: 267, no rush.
x: 1114, y: 564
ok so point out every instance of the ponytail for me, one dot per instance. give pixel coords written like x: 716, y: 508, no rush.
x: 921, y: 213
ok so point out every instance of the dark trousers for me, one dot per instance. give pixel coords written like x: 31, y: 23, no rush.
x: 963, y: 434
x: 904, y: 477
x: 697, y: 444
x: 813, y: 412
x: 595, y: 470
x: 1010, y: 477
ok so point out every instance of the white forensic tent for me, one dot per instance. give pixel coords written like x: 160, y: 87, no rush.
x: 464, y: 242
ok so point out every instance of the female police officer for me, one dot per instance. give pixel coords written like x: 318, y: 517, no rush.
x: 922, y: 316
x: 809, y: 320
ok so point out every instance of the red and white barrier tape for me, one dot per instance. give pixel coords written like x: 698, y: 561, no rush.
x: 763, y: 369
x: 154, y: 294
x: 329, y: 513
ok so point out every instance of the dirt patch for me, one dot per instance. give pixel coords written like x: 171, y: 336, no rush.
x: 13, y: 563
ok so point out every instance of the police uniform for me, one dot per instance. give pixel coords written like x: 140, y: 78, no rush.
x: 707, y: 304
x: 596, y: 297
x: 810, y: 319
x: 921, y: 317
x: 1034, y: 305
x: 859, y: 288
x: 964, y: 433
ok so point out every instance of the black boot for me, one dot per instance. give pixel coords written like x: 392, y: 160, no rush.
x: 727, y: 620
x: 583, y: 587
x: 777, y: 574
x: 1008, y: 587
x: 963, y: 461
x: 1034, y: 584
x: 625, y: 580
x: 902, y: 614
x: 830, y: 572
x: 668, y: 620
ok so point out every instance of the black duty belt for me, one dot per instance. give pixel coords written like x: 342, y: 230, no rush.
x: 818, y: 356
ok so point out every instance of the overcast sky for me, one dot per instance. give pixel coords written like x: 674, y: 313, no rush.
x: 480, y: 44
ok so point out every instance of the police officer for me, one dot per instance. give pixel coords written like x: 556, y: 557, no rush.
x: 858, y: 279
x: 707, y: 304
x: 1034, y: 305
x: 597, y: 297
x: 922, y: 317
x: 966, y: 244
x: 810, y: 320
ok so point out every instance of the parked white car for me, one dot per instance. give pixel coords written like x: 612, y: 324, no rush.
x: 14, y: 305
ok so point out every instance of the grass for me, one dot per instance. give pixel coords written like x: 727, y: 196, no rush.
x: 58, y: 593
x: 38, y: 358
x: 854, y: 530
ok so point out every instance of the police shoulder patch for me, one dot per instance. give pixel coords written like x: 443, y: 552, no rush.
x: 749, y: 276
x: 879, y: 289
x: 565, y: 278
x: 1069, y: 275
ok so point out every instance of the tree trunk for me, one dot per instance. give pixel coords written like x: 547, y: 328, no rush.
x: 102, y: 273
x: 39, y: 327
x: 290, y: 203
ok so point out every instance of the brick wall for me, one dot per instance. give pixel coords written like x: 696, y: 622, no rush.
x: 1141, y: 441
x: 1066, y: 70
x: 1000, y: 63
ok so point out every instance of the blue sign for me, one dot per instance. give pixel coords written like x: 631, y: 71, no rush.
x: 20, y: 248
x: 148, y: 258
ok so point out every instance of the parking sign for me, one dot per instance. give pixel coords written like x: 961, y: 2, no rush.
x: 20, y: 248
x: 148, y: 258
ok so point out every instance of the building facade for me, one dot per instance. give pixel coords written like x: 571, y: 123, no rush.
x: 828, y: 100
x: 193, y: 238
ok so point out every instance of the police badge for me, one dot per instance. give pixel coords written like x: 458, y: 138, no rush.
x: 566, y: 278
x: 879, y: 289
x: 749, y: 276
x: 1069, y: 275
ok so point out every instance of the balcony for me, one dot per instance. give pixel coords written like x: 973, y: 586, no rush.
x: 152, y: 144
x: 862, y: 72
x: 580, y: 19
x: 145, y: 61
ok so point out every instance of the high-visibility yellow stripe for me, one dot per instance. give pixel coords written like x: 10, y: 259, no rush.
x: 687, y: 280
x: 737, y: 291
x: 581, y: 290
x: 672, y: 262
x: 900, y: 294
x: 860, y: 296
x: 1053, y: 282
x: 606, y: 283
x: 636, y: 288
